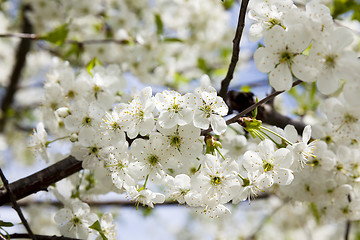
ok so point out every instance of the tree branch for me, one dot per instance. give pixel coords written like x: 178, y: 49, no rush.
x: 39, y: 237
x: 23, y: 49
x: 15, y: 205
x: 41, y: 180
x: 31, y: 36
x: 236, y: 50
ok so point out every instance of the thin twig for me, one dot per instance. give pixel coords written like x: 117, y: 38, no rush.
x: 31, y: 36
x: 264, y: 220
x: 251, y: 108
x: 236, y: 50
x: 23, y: 49
x: 15, y: 205
x: 347, y: 230
x: 40, y: 237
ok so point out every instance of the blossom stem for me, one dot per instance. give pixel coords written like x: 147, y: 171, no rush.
x: 276, y: 134
x: 56, y: 139
x: 267, y: 135
x: 217, y: 149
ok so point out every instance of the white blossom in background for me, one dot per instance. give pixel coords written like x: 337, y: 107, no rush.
x: 74, y: 220
x: 145, y: 196
x: 39, y: 141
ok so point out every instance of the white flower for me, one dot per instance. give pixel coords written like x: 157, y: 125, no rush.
x: 216, y: 181
x: 280, y: 56
x: 174, y: 109
x: 209, y: 109
x: 122, y: 171
x: 269, y: 165
x: 331, y: 62
x: 301, y: 151
x: 138, y: 117
x: 39, y: 141
x: 179, y: 187
x: 267, y: 14
x: 153, y: 157
x: 108, y: 227
x: 184, y: 142
x: 90, y: 148
x: 74, y: 220
x: 146, y: 196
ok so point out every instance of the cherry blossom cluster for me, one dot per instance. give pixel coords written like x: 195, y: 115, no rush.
x: 151, y: 146
x: 306, y: 45
x: 159, y: 41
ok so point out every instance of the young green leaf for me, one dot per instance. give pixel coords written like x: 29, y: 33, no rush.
x: 57, y: 36
x: 96, y: 226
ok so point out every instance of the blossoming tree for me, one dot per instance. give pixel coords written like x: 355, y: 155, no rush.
x: 197, y: 140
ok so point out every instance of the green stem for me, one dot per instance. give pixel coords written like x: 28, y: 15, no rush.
x: 278, y: 145
x: 256, y: 132
x: 219, y: 153
x: 276, y: 134
x: 56, y: 139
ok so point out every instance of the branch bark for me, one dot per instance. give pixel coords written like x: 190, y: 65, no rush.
x: 236, y: 50
x: 16, y: 206
x: 40, y: 237
x: 23, y: 49
x: 41, y: 180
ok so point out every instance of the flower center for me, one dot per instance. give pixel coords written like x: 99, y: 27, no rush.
x: 87, y: 121
x: 153, y: 159
x: 330, y: 61
x: 207, y: 110
x: 215, y: 180
x: 268, y: 167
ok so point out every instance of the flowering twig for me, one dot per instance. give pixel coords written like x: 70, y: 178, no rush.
x: 24, y: 48
x: 236, y: 50
x: 252, y: 107
x: 15, y: 205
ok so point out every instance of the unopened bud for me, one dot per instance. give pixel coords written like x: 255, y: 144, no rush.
x: 63, y: 112
x: 74, y: 137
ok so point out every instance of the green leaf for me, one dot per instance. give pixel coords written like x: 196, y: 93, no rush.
x: 245, y: 88
x: 159, y: 24
x: 57, y: 36
x: 6, y: 224
x: 344, y: 6
x: 96, y: 226
x: 228, y: 4
x: 93, y: 62
x: 173, y: 40
x: 201, y: 63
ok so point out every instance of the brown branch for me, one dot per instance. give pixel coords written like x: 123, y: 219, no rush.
x: 23, y: 49
x: 15, y: 206
x: 251, y: 108
x: 31, y: 36
x: 40, y: 237
x: 236, y: 50
x: 41, y: 180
